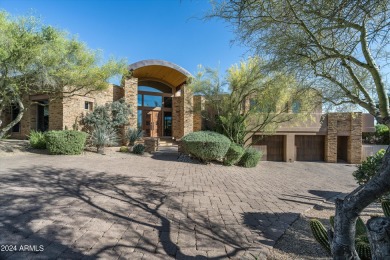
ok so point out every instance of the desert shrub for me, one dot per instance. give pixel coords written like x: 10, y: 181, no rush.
x: 65, y: 142
x: 381, y: 135
x: 250, y: 158
x: 114, y: 115
x: 124, y: 149
x: 134, y: 134
x: 234, y: 154
x: 37, y: 140
x: 206, y: 145
x: 369, y: 167
x: 139, y: 149
x: 103, y: 136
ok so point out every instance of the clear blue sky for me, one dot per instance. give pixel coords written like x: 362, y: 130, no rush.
x: 141, y: 29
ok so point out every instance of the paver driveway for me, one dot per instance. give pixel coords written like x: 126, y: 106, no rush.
x: 130, y: 207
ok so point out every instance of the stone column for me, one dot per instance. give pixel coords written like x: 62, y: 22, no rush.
x: 56, y: 114
x: 187, y: 108
x: 130, y: 92
x: 355, y: 139
x: 331, y: 139
x: 177, y: 132
x: 289, y: 149
x: 199, y: 104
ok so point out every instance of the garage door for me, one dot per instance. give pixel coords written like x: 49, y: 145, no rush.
x: 274, y: 144
x: 310, y: 147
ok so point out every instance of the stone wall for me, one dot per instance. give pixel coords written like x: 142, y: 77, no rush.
x: 177, y: 131
x: 75, y: 110
x: 118, y: 92
x: 187, y: 108
x: 199, y: 102
x: 344, y: 124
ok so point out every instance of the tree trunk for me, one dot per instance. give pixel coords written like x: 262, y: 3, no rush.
x: 5, y: 129
x: 347, y: 211
x: 379, y: 235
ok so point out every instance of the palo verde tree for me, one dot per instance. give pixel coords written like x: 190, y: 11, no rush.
x: 342, y: 46
x: 36, y: 58
x: 247, y: 101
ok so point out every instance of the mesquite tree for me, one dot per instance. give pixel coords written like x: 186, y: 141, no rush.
x: 39, y: 59
x: 247, y: 100
x: 341, y: 46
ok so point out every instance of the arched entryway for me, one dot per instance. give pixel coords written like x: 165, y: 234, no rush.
x: 160, y: 89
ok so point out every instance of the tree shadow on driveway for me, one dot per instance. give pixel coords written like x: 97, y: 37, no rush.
x: 76, y: 214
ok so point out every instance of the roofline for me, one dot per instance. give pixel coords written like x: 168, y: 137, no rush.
x: 144, y: 63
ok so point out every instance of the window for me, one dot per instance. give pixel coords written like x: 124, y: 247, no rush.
x: 139, y: 119
x: 14, y: 114
x: 168, y: 102
x: 88, y: 105
x: 150, y: 89
x: 139, y: 97
x: 296, y: 106
x: 152, y: 101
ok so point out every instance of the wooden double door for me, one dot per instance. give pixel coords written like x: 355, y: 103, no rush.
x: 151, y: 122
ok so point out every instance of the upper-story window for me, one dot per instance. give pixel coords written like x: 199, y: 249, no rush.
x: 296, y: 106
x: 88, y: 105
x: 149, y: 89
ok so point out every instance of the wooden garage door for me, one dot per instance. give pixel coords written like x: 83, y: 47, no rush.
x: 275, y: 146
x: 310, y: 147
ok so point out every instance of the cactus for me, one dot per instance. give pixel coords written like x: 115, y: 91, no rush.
x: 386, y: 207
x: 361, y: 240
x: 363, y: 249
x: 139, y: 149
x: 320, y: 234
x: 360, y: 228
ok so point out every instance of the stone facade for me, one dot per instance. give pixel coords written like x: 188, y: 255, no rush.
x: 344, y: 124
x: 199, y: 105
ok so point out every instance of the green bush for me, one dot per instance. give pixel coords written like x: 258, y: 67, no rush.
x: 37, y: 140
x: 65, y: 142
x: 139, y: 149
x: 234, y: 154
x: 206, y: 145
x: 369, y: 167
x: 124, y: 149
x: 250, y: 158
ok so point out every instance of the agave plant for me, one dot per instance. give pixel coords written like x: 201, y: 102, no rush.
x: 103, y: 136
x: 134, y: 134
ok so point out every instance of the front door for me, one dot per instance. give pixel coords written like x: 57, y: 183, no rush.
x: 151, y: 122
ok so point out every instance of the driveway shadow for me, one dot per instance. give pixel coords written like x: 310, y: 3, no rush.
x: 76, y: 214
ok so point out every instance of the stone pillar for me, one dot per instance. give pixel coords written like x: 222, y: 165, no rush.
x: 56, y: 114
x: 199, y: 104
x: 177, y: 132
x: 25, y: 122
x: 331, y: 139
x: 130, y: 95
x: 289, y: 149
x: 355, y: 139
x: 187, y: 108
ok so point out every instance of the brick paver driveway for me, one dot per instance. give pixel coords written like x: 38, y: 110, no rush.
x: 130, y: 207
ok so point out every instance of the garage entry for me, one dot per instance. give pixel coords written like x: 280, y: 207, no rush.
x: 310, y: 147
x: 273, y: 146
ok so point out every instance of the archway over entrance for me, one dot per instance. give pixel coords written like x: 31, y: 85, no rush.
x: 160, y: 89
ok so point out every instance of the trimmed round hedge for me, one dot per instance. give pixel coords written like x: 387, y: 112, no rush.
x: 250, y: 158
x: 234, y: 154
x: 65, y: 142
x: 206, y: 145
